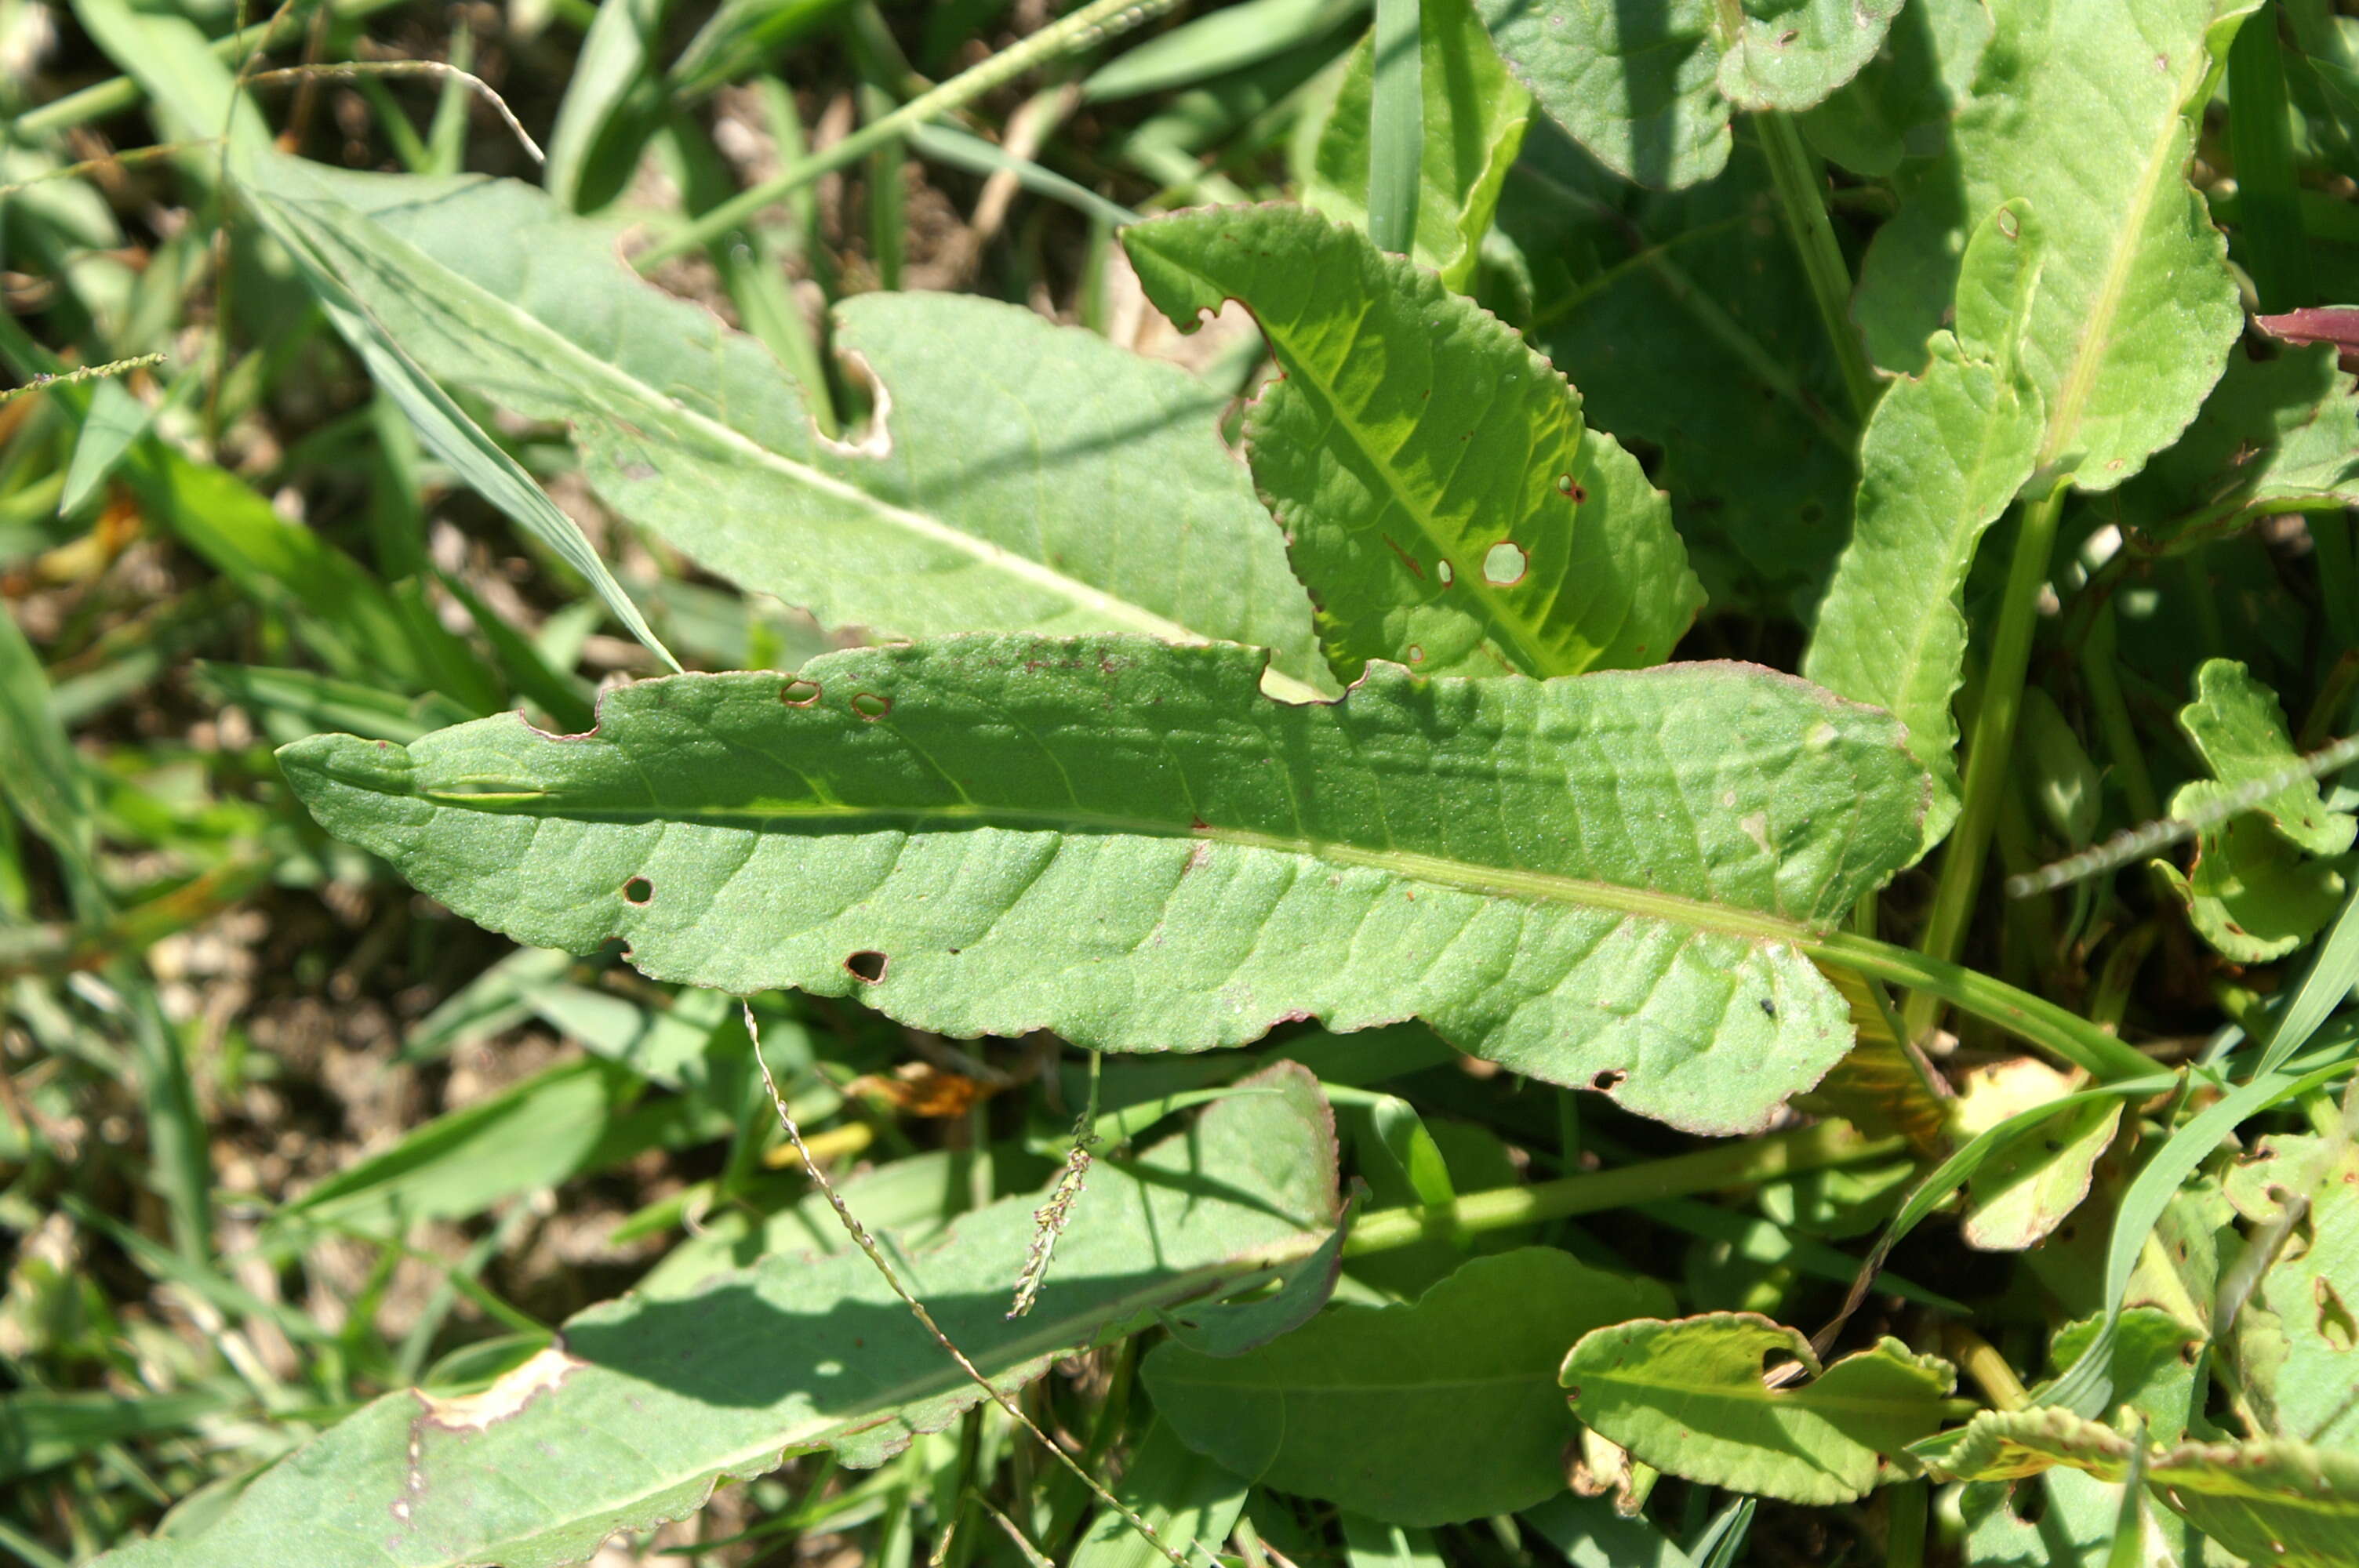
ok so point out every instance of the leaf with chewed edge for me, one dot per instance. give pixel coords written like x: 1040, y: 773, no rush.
x: 2086, y: 108
x: 1601, y: 880
x: 644, y: 1404
x: 1018, y: 475
x: 1689, y: 1398
x: 1647, y: 90
x: 1440, y: 495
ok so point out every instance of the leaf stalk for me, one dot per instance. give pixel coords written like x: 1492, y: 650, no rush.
x: 1989, y: 750
x: 1799, y: 195
x: 1740, y: 1162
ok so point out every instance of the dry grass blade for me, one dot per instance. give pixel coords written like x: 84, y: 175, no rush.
x: 350, y: 70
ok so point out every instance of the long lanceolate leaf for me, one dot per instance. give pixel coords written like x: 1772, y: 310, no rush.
x: 1941, y: 458
x: 2083, y: 107
x: 1022, y: 476
x: 645, y: 1402
x: 1439, y: 492
x: 1598, y: 881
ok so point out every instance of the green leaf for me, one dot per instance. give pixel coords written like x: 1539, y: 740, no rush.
x: 40, y: 1430
x: 1689, y: 1398
x: 534, y: 1134
x: 1370, y: 1544
x: 44, y: 781
x: 2240, y: 732
x: 2252, y: 893
x: 1648, y: 89
x: 740, y: 37
x: 1592, y: 1533
x: 1442, y: 498
x: 1221, y: 41
x: 1594, y: 881
x: 2027, y: 1187
x: 115, y: 420
x: 611, y: 98
x: 645, y: 1403
x: 2154, y: 1361
x: 197, y: 90
x: 1231, y: 1328
x: 1022, y: 476
x: 342, y: 613
x: 332, y: 249
x: 1899, y: 106
x: 2297, y: 1339
x: 1420, y: 1414
x: 1186, y: 1498
x: 2088, y: 1385
x: 1791, y: 54
x: 1642, y: 299
x: 2278, y: 435
x: 1944, y: 455
x: 2083, y: 108
x: 1636, y: 87
x: 2268, y: 1500
x: 1395, y: 126
x: 1474, y: 119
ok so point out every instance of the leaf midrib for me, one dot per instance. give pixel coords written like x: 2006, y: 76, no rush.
x: 1436, y: 871
x: 2088, y: 351
x: 1039, y: 574
x: 1538, y: 660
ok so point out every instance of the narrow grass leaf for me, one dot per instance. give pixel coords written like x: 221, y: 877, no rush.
x: 553, y: 1125
x: 1395, y: 126
x: 2087, y: 1386
x: 41, y: 1429
x: 645, y: 1403
x: 609, y: 108
x: 1473, y: 116
x: 331, y: 251
x: 115, y: 420
x: 1596, y: 881
x: 44, y: 781
x: 1416, y: 1415
x: 2325, y: 986
x: 1221, y: 41
x: 1445, y: 503
x: 1688, y: 1397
